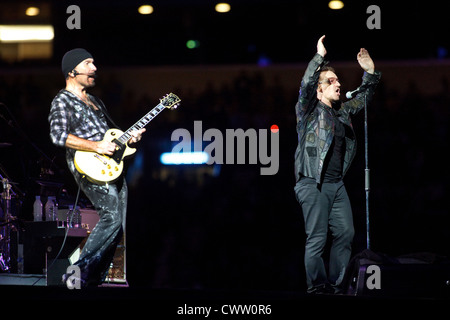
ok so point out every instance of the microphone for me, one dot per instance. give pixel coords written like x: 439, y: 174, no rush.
x: 90, y: 75
x: 351, y: 94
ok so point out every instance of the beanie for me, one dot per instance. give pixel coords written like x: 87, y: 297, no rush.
x: 72, y: 58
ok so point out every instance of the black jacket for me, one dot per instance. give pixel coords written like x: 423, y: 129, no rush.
x: 315, y: 125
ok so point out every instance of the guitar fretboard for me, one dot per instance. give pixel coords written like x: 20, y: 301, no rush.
x: 141, y: 123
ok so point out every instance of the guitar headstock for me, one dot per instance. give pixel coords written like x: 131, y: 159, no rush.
x: 170, y: 101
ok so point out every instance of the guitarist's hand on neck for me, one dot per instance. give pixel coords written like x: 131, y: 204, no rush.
x: 136, y: 135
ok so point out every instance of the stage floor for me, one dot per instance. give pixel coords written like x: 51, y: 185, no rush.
x: 181, y: 303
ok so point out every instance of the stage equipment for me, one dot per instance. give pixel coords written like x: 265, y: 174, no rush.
x: 416, y: 275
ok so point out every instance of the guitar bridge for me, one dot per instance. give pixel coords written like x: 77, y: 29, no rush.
x: 99, y: 157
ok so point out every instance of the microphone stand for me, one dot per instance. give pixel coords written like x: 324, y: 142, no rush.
x: 366, y: 173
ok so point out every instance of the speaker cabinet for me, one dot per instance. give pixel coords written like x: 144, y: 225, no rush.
x: 421, y: 275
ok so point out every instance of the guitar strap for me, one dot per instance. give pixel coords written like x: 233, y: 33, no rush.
x: 105, y: 111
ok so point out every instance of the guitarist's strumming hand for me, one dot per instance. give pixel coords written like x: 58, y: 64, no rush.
x: 105, y: 147
x: 108, y: 148
x: 102, y: 147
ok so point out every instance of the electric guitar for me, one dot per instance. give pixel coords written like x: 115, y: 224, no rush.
x: 103, y: 169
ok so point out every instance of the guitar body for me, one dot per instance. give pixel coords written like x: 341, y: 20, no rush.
x: 99, y: 168
x: 102, y: 169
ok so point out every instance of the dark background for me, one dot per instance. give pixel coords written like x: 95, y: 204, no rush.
x: 188, y: 228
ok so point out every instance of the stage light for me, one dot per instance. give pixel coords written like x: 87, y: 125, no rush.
x: 145, y: 9
x: 169, y: 158
x: 192, y: 44
x: 335, y: 4
x: 32, y: 11
x: 23, y: 33
x: 223, y: 7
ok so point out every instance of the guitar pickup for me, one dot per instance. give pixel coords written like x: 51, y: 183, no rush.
x: 118, y: 154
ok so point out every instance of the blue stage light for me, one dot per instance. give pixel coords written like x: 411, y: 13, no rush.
x: 170, y: 158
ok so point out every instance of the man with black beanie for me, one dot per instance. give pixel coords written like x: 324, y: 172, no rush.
x: 79, y: 121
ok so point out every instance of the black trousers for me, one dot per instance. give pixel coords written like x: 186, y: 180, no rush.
x: 325, y: 207
x: 110, y: 202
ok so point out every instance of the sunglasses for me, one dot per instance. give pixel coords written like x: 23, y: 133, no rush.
x: 330, y: 80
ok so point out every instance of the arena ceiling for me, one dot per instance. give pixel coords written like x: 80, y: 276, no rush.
x: 265, y: 31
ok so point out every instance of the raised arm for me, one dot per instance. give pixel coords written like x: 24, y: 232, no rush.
x: 370, y: 80
x: 309, y: 81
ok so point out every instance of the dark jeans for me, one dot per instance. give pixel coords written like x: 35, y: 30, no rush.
x: 110, y: 202
x: 325, y: 207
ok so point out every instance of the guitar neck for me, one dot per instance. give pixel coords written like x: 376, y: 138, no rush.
x: 126, y: 136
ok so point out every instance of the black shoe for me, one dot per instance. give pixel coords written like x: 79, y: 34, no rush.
x: 321, y: 289
x: 338, y: 291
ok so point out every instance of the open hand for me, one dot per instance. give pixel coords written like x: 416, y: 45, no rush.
x: 365, y: 61
x: 320, y: 47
